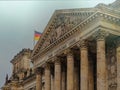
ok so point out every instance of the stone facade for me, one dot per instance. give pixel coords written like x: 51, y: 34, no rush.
x: 78, y: 50
x: 85, y: 42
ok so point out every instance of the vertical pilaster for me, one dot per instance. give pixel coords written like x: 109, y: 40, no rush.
x: 39, y: 78
x: 57, y: 74
x: 47, y: 77
x: 101, y: 62
x: 84, y: 65
x: 70, y: 70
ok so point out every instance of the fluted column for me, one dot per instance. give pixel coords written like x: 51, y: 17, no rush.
x: 118, y: 64
x: 84, y: 65
x: 47, y: 77
x: 39, y: 78
x: 101, y: 62
x: 57, y: 74
x: 70, y: 70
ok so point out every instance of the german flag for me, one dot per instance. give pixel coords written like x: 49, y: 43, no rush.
x: 37, y: 35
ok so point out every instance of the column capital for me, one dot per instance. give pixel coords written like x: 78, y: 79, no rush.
x: 47, y: 65
x: 68, y: 52
x: 100, y: 34
x: 83, y: 44
x: 57, y: 60
x: 38, y: 70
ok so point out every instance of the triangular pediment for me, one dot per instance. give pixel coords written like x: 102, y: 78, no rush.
x: 60, y: 23
x: 115, y: 5
x: 64, y: 21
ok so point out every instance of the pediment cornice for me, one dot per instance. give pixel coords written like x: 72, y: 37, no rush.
x: 93, y: 14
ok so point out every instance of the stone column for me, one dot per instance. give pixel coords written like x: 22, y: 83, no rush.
x: 47, y: 77
x: 76, y: 78
x: 84, y: 65
x: 57, y: 74
x: 91, y: 75
x: 101, y: 61
x: 63, y: 78
x: 39, y: 78
x: 70, y: 70
x: 118, y: 65
x: 52, y: 82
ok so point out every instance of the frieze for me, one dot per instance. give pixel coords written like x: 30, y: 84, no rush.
x: 60, y: 49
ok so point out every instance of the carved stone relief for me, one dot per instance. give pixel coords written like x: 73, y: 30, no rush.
x: 64, y: 23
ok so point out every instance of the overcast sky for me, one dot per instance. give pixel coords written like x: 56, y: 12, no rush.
x: 19, y: 19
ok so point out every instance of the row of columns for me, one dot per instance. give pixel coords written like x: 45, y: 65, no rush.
x: 101, y: 70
